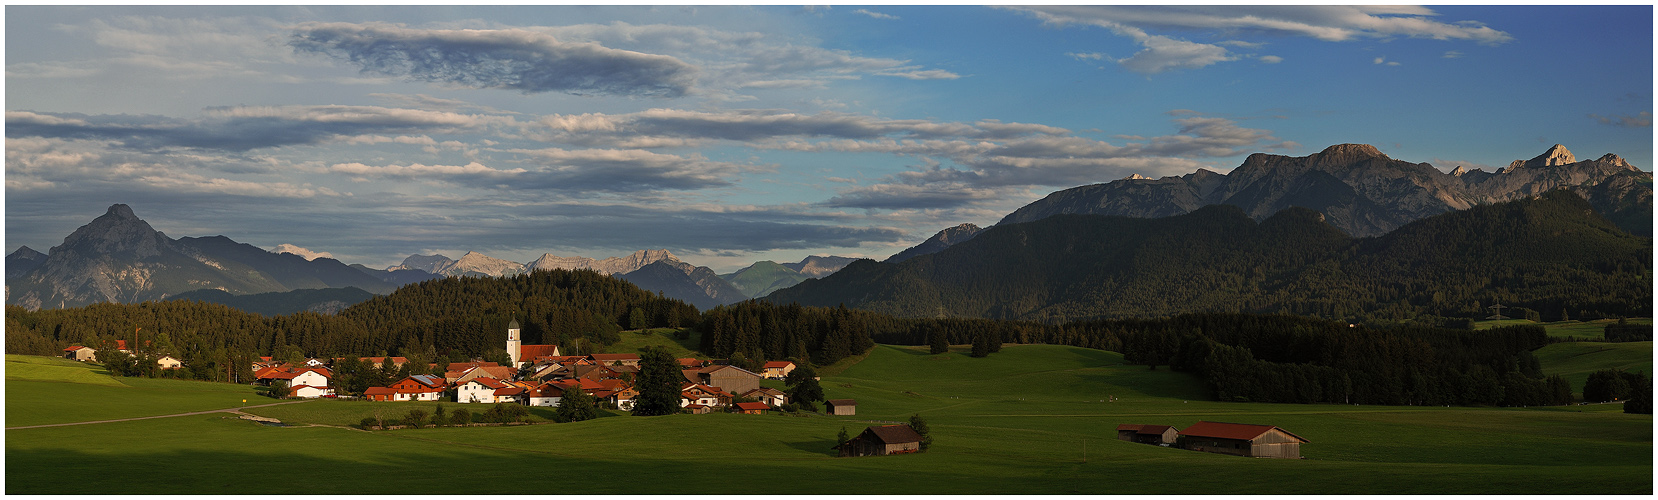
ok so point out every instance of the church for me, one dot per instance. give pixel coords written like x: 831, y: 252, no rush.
x: 524, y: 354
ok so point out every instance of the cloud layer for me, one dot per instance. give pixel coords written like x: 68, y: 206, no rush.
x: 512, y: 59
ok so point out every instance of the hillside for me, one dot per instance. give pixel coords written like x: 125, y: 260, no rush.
x: 1548, y: 253
x: 1029, y: 420
x: 325, y: 300
x: 762, y: 278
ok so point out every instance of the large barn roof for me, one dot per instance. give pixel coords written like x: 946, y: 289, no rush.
x: 1224, y: 430
x: 894, y: 434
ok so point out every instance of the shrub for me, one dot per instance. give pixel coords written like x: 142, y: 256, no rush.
x: 369, y: 422
x: 460, y: 417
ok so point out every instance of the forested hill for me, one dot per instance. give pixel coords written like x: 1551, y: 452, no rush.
x: 1552, y: 253
x: 438, y: 320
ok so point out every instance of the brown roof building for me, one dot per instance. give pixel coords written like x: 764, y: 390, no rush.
x: 842, y: 406
x: 882, y: 440
x: 1246, y: 440
x: 1148, y: 434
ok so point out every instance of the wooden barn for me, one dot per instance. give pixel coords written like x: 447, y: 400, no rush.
x: 1147, y: 434
x: 882, y: 440
x: 842, y: 406
x: 1245, y: 440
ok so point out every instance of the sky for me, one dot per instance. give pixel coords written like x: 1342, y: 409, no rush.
x: 733, y: 134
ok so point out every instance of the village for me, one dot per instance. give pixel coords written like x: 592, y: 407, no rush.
x: 538, y: 376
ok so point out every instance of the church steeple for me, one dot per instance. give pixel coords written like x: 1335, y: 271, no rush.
x: 514, y: 343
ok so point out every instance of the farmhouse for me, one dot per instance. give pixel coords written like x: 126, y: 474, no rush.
x: 379, y: 394
x: 725, y: 377
x: 81, y: 353
x: 169, y: 363
x: 767, y: 395
x: 752, y: 408
x: 1246, y: 440
x: 776, y: 370
x: 1147, y: 434
x: 882, y: 440
x: 613, y: 359
x: 698, y: 394
x: 842, y: 406
x: 309, y: 392
x: 478, y: 390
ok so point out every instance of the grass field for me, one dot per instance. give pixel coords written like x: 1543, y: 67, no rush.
x: 633, y: 340
x: 1576, y: 360
x: 1016, y: 422
x: 80, y: 392
x: 1580, y: 329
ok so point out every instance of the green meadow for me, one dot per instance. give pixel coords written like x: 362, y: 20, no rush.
x: 1580, y: 329
x: 1576, y: 360
x: 1030, y: 419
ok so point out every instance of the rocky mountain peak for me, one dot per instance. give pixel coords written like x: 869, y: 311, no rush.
x: 1136, y: 177
x: 1345, y: 154
x: 117, y: 230
x: 1555, y: 156
x: 1615, y: 161
x: 1459, y: 171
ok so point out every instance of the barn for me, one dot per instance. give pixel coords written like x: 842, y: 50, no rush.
x: 842, y: 406
x: 1245, y: 440
x: 1148, y: 434
x: 882, y: 440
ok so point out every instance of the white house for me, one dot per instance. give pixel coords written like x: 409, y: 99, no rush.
x: 310, y: 376
x: 478, y: 390
x: 309, y: 392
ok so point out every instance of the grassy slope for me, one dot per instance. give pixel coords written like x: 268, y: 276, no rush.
x: 82, y: 393
x: 1013, y: 423
x: 633, y: 340
x: 1579, y: 329
x: 1576, y: 360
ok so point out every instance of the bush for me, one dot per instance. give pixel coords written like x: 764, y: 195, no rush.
x: 460, y: 417
x: 369, y: 422
x: 416, y: 418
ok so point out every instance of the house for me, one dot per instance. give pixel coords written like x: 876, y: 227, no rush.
x: 612, y: 359
x: 623, y: 399
x: 478, y: 390
x: 81, y: 353
x: 842, y: 406
x: 752, y: 408
x: 169, y: 363
x: 1147, y: 434
x: 493, y: 371
x: 295, y: 376
x: 418, y: 388
x: 699, y: 394
x: 882, y: 440
x: 1245, y: 440
x: 546, y: 394
x: 690, y: 363
x: 697, y: 409
x: 309, y: 392
x: 512, y: 395
x: 728, y: 378
x: 315, y: 363
x: 769, y: 396
x: 777, y: 370
x: 379, y: 394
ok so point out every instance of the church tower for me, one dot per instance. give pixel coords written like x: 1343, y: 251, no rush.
x: 513, y: 343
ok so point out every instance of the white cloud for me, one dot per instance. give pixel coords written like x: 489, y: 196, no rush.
x: 1271, y: 59
x: 301, y: 251
x: 1326, y: 23
x: 1452, y: 54
x: 876, y: 15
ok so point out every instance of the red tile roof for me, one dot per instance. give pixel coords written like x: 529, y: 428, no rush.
x: 1154, y: 429
x: 461, y: 367
x: 1224, y: 430
x: 535, y: 351
x: 74, y: 348
x: 508, y: 391
x: 487, y: 382
x: 614, y: 357
x: 752, y: 406
x: 693, y: 362
x: 779, y: 364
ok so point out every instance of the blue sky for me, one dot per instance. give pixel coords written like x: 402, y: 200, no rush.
x: 732, y: 134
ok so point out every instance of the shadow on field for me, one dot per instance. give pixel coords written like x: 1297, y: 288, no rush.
x: 1161, y: 384
x: 823, y: 447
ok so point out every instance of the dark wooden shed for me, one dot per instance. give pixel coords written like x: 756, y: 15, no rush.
x: 842, y: 406
x: 1245, y: 440
x: 882, y: 440
x: 1147, y: 434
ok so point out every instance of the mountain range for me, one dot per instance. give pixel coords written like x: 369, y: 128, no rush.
x: 1552, y: 253
x: 119, y: 257
x: 1360, y: 191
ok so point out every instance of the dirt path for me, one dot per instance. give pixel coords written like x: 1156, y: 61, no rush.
x: 231, y: 410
